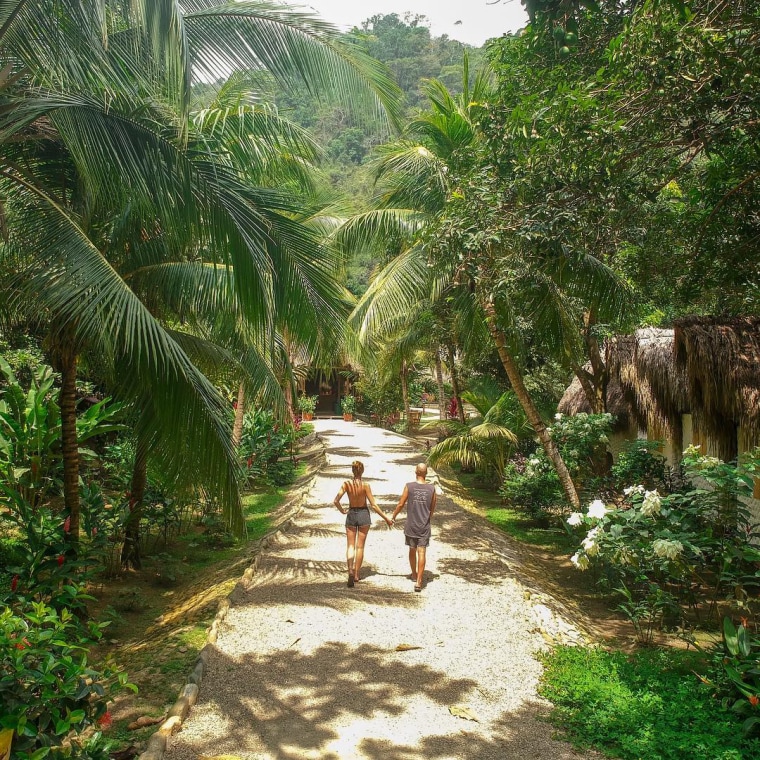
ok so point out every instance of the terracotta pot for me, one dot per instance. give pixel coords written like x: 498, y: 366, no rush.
x: 308, y: 416
x: 348, y: 417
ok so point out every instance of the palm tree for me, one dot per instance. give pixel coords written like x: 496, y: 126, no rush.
x: 98, y: 154
x: 547, y: 284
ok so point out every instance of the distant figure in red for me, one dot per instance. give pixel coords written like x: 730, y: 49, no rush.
x: 453, y: 407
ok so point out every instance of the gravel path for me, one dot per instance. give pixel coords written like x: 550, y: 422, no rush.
x: 307, y: 668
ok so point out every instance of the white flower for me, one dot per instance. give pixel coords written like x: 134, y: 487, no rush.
x: 589, y: 543
x: 633, y: 489
x: 576, y: 518
x: 534, y: 461
x: 652, y: 504
x: 558, y: 416
x: 580, y: 561
x: 665, y: 548
x: 597, y: 509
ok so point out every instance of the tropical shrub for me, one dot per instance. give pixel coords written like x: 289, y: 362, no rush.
x: 639, y: 463
x: 739, y: 672
x: 263, y: 448
x: 693, y: 548
x: 348, y: 404
x: 47, y: 689
x: 582, y: 441
x: 307, y: 403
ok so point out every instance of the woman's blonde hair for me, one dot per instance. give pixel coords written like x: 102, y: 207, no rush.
x: 357, y: 468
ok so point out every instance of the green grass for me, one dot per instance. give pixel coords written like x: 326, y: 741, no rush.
x: 514, y: 522
x: 648, y: 706
x: 257, y: 507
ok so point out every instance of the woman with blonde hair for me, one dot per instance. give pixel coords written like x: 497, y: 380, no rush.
x: 358, y: 518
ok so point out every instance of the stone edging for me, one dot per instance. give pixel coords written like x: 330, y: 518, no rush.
x: 159, y: 741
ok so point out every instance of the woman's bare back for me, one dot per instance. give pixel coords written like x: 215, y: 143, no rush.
x: 357, y: 493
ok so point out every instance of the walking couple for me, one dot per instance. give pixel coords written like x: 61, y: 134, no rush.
x: 419, y: 498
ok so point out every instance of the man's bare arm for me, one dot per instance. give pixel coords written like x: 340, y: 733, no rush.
x: 401, y: 503
x: 433, y: 503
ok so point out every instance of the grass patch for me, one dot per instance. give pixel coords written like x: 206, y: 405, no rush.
x: 648, y: 705
x: 256, y: 509
x: 513, y: 522
x: 528, y: 531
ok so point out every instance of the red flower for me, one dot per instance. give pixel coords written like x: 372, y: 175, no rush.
x: 60, y: 559
x: 744, y: 621
x: 105, y: 720
x: 23, y: 645
x: 250, y: 462
x: 234, y: 404
x: 94, y: 531
x: 754, y: 700
x: 67, y: 525
x: 14, y: 583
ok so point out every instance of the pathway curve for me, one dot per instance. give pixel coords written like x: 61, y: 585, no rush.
x: 306, y: 668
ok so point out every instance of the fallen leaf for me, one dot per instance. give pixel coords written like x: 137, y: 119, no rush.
x: 462, y: 711
x: 406, y: 647
x: 289, y: 621
x: 296, y: 641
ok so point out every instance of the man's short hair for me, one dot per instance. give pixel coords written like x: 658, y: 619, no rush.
x: 421, y: 470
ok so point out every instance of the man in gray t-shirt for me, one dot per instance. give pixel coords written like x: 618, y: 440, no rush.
x: 419, y: 497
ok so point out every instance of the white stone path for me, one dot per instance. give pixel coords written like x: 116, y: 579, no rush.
x: 306, y: 668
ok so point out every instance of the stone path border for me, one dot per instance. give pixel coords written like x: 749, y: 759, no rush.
x: 188, y: 696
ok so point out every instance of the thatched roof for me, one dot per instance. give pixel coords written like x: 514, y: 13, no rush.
x: 721, y: 361
x: 575, y: 401
x: 708, y: 367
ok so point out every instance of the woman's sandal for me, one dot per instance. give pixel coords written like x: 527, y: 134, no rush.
x: 418, y: 588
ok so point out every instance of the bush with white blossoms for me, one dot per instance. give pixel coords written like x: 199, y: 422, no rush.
x: 675, y: 541
x: 582, y: 441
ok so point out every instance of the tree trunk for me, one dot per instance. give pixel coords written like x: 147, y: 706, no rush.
x: 405, y: 389
x: 441, y: 389
x: 455, y: 383
x: 237, y: 426
x: 518, y: 385
x: 67, y: 364
x: 598, y: 368
x: 130, y: 553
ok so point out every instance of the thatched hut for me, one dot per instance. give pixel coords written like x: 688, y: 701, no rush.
x: 698, y: 382
x: 720, y: 359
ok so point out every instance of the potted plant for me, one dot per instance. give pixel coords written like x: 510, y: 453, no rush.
x: 348, y: 406
x: 307, y: 405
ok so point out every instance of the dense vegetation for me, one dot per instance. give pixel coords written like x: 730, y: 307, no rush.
x: 200, y: 206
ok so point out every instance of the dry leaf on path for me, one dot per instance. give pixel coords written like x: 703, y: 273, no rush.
x: 462, y: 711
x: 406, y: 647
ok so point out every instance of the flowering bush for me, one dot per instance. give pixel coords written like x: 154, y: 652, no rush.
x: 47, y: 689
x: 665, y: 551
x: 263, y: 448
x: 582, y: 441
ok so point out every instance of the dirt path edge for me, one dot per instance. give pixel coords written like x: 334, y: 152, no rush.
x: 283, y: 516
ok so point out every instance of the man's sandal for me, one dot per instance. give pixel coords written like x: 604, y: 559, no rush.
x: 418, y: 588
x: 350, y: 583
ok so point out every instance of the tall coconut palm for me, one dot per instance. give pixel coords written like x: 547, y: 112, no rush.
x: 95, y: 126
x: 549, y: 286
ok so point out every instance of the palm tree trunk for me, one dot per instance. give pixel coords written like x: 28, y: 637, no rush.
x: 405, y: 389
x: 67, y: 364
x: 130, y: 553
x: 455, y: 382
x: 237, y: 426
x: 441, y: 390
x: 518, y: 385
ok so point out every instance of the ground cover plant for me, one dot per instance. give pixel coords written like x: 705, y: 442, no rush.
x: 646, y: 705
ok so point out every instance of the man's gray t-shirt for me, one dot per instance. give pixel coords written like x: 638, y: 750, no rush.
x: 418, y: 509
